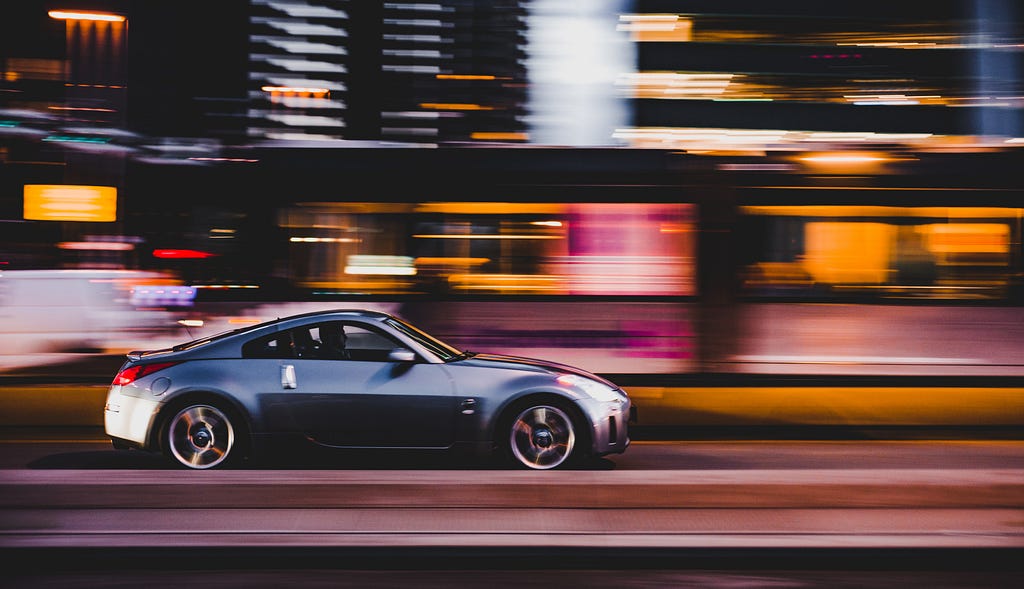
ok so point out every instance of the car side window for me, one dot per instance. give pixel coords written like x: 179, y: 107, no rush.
x: 305, y: 343
x: 369, y: 346
x: 332, y: 340
x: 337, y: 340
x: 275, y: 345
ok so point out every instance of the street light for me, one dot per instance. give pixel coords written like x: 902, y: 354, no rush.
x: 95, y: 82
x: 79, y: 15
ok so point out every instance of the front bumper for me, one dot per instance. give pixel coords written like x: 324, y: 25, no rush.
x: 611, y: 430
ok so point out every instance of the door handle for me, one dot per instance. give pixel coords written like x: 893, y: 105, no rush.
x: 287, y: 376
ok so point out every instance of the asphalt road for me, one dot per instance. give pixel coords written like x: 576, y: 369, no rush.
x: 690, y: 513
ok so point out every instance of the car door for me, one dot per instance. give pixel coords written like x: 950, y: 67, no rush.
x: 366, y: 400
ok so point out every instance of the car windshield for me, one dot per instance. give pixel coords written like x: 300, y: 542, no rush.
x: 438, y: 347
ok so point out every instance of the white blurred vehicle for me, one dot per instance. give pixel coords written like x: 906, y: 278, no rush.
x: 82, y: 311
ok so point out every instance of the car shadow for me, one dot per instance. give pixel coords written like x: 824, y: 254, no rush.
x: 401, y: 460
x: 101, y: 459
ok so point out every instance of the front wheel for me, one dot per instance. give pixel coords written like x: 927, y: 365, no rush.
x: 200, y: 436
x: 542, y: 436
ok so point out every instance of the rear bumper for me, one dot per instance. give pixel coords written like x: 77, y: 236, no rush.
x: 128, y: 419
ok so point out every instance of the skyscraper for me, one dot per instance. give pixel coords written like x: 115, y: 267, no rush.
x: 387, y: 72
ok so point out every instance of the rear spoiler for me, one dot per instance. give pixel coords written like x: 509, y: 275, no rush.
x: 138, y: 354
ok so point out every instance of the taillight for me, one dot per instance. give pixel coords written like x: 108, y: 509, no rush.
x: 133, y: 373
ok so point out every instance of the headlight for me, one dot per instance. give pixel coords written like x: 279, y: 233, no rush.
x: 598, y: 391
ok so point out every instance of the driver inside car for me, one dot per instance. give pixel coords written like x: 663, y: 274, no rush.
x: 333, y: 339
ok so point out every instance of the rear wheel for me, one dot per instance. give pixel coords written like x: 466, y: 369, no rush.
x: 542, y: 436
x: 200, y: 436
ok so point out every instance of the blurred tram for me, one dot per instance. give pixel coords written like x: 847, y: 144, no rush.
x: 842, y: 287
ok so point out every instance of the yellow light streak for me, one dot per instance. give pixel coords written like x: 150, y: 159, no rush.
x: 454, y: 106
x: 817, y: 405
x: 464, y: 77
x: 494, y: 136
x: 295, y: 89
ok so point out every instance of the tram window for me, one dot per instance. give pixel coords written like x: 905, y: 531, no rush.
x: 501, y: 248
x: 883, y: 252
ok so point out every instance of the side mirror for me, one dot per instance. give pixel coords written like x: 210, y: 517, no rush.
x: 401, y: 355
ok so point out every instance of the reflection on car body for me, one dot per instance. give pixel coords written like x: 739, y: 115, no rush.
x: 357, y: 379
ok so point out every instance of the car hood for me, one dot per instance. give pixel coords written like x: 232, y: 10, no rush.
x: 528, y: 364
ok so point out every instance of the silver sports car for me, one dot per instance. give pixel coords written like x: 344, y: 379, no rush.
x: 352, y: 379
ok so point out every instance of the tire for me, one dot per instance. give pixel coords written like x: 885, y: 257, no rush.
x: 201, y: 436
x: 542, y: 435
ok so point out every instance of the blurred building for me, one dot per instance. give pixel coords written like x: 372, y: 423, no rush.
x: 640, y: 73
x: 676, y: 159
x: 165, y: 101
x: 387, y: 71
x: 749, y: 75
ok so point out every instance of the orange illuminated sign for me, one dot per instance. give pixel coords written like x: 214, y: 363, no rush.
x: 63, y: 202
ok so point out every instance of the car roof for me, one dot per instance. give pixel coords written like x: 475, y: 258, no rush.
x: 355, y: 312
x: 280, y: 321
